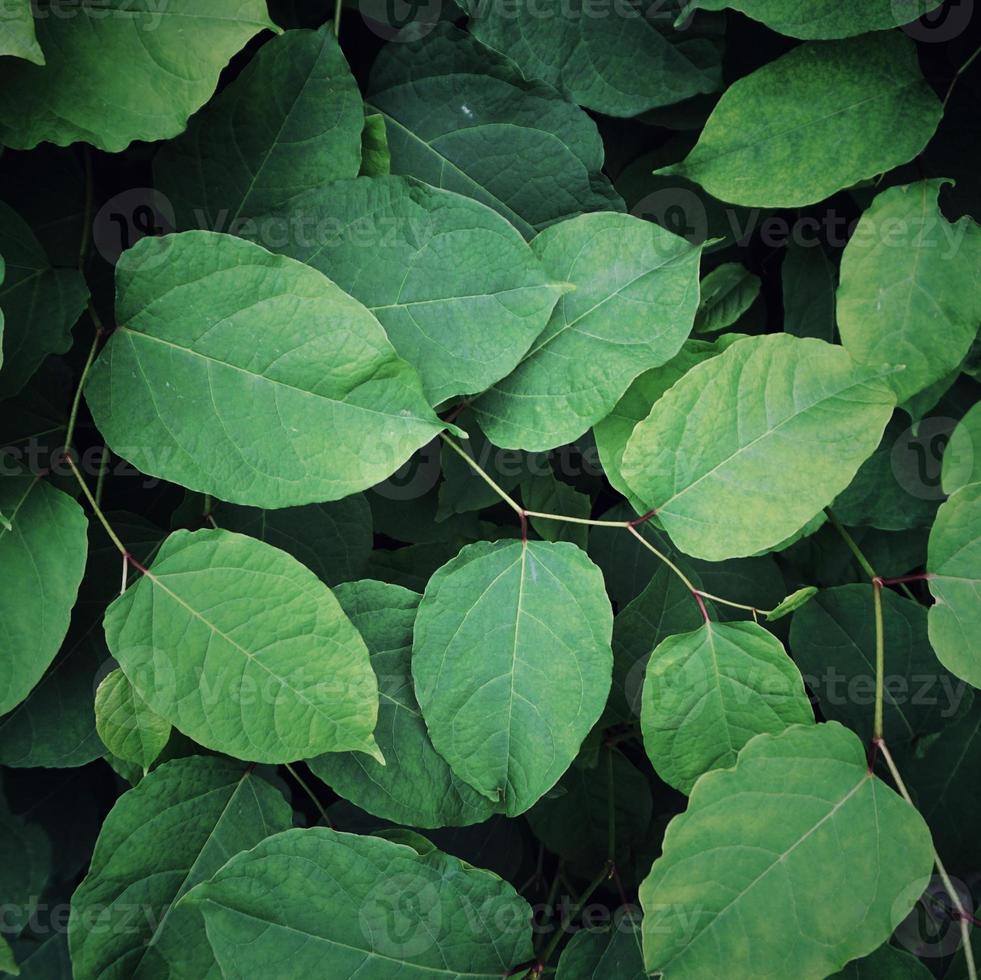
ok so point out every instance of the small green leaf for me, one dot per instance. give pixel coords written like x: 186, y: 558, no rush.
x: 43, y: 557
x: 511, y: 660
x: 726, y: 483
x: 125, y: 723
x: 134, y: 75
x: 178, y: 827
x: 962, y: 457
x: 245, y: 650
x: 338, y: 905
x: 605, y: 954
x: 221, y: 378
x: 635, y: 296
x: 792, y: 603
x: 418, y: 788
x: 290, y: 122
x: 376, y: 158
x: 799, y: 855
x: 954, y: 577
x: 708, y: 692
x: 910, y: 293
x: 728, y: 291
x: 820, y: 118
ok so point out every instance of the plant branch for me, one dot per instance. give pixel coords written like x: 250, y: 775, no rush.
x: 306, y: 789
x: 960, y: 71
x: 120, y: 547
x: 484, y: 475
x: 964, y: 918
x: 880, y: 659
x: 89, y: 360
x: 850, y: 542
x: 337, y: 18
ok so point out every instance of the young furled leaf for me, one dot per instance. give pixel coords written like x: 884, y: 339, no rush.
x: 708, y: 692
x: 797, y: 855
x: 822, y: 117
x: 511, y: 660
x: 909, y: 292
x: 136, y: 74
x: 222, y: 376
x: 178, y: 827
x: 459, y: 292
x: 39, y: 304
x: 42, y: 555
x: 954, y: 577
x: 339, y: 905
x: 618, y: 59
x: 129, y: 728
x: 290, y: 122
x: 416, y: 787
x: 823, y: 19
x: 245, y: 650
x: 726, y: 483
x: 792, y: 603
x: 635, y: 296
x: 728, y: 291
x: 461, y: 116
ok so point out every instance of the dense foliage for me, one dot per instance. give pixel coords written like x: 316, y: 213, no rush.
x: 489, y: 489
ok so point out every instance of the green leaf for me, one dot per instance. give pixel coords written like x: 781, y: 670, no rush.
x: 727, y: 483
x: 833, y: 642
x: 635, y: 296
x: 886, y: 963
x: 617, y: 59
x: 127, y: 726
x: 708, y: 692
x: 39, y: 304
x: 549, y: 495
x: 461, y: 116
x: 17, y: 36
x: 728, y: 291
x: 459, y: 292
x: 290, y: 122
x: 245, y: 650
x: 333, y: 540
x: 175, y: 829
x: 823, y: 19
x: 512, y: 662
x: 7, y: 962
x: 808, y: 280
x: 417, y: 788
x: 376, y: 159
x: 962, y: 457
x: 792, y: 603
x: 954, y: 577
x: 604, y: 954
x: 337, y: 905
x: 798, y: 856
x: 820, y: 118
x: 220, y: 377
x: 42, y: 557
x: 133, y: 72
x: 26, y: 866
x: 909, y: 292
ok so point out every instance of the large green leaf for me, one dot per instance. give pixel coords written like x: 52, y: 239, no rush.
x: 245, y: 650
x: 798, y: 856
x: 635, y: 296
x: 962, y: 457
x: 458, y: 291
x: 175, y: 829
x: 42, y: 555
x: 824, y: 19
x: 337, y: 905
x: 620, y: 59
x: 749, y: 446
x: 416, y: 787
x: 122, y: 70
x: 17, y: 36
x: 910, y: 293
x: 954, y: 574
x: 130, y: 730
x: 290, y: 122
x: 512, y: 662
x: 224, y: 377
x: 822, y: 117
x: 708, y: 692
x: 39, y: 304
x: 333, y: 539
x: 461, y: 116
x: 833, y: 641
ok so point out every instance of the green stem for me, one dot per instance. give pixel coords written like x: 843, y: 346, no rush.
x: 337, y: 18
x: 664, y: 558
x: 960, y: 71
x: 101, y: 478
x: 852, y: 546
x: 963, y: 917
x: 486, y: 477
x: 77, y: 400
x: 880, y: 658
x: 729, y: 602
x: 120, y: 547
x: 574, y: 520
x: 306, y: 789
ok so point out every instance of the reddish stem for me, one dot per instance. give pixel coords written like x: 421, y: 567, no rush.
x: 643, y: 519
x: 701, y: 605
x: 899, y: 580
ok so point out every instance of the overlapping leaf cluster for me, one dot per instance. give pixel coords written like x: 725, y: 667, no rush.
x: 428, y: 490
